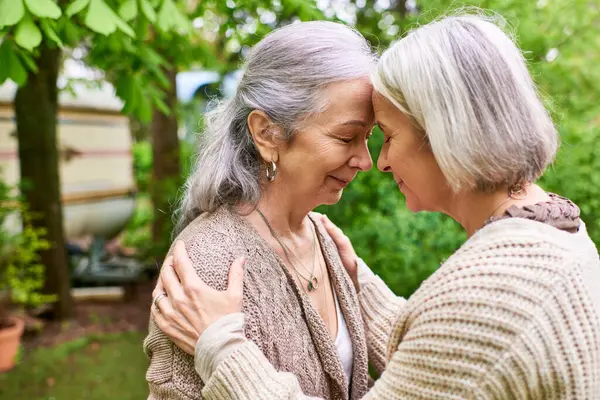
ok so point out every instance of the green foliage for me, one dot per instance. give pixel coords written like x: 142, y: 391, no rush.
x: 119, y: 48
x: 21, y: 272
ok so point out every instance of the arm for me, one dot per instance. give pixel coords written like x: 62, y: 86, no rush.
x: 171, y: 373
x: 379, y: 305
x: 452, y: 348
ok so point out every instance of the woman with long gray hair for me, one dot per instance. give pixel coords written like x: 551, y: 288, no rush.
x: 514, y: 313
x: 292, y: 138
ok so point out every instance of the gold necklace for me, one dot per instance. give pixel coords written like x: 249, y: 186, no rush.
x: 312, y: 281
x: 511, y: 195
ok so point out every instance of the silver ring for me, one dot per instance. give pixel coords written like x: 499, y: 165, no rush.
x: 157, y: 299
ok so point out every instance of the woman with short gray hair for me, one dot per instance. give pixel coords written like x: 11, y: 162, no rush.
x: 515, y: 312
x: 292, y: 138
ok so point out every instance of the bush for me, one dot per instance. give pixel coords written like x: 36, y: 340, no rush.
x: 21, y: 272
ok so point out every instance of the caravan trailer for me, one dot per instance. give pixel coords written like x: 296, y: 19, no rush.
x: 96, y: 165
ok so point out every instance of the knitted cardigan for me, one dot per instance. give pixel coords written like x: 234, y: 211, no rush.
x: 513, y: 314
x: 280, y: 319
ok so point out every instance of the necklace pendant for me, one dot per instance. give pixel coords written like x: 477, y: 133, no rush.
x: 313, y: 284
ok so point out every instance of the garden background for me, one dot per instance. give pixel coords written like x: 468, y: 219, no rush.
x: 93, y: 351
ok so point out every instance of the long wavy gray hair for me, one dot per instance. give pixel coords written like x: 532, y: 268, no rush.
x: 284, y: 76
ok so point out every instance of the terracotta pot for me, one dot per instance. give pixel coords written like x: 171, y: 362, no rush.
x: 10, y: 338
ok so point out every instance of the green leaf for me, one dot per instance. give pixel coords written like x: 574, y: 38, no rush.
x: 71, y: 31
x: 122, y: 25
x: 50, y: 32
x: 44, y: 8
x: 148, y: 10
x: 144, y: 110
x: 100, y: 18
x: 11, y: 12
x: 4, y: 56
x: 127, y: 90
x: 28, y: 59
x: 76, y: 7
x: 128, y: 10
x: 11, y: 66
x: 161, y: 106
x: 28, y: 35
x: 170, y: 17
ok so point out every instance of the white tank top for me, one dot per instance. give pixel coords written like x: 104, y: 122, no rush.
x: 343, y: 343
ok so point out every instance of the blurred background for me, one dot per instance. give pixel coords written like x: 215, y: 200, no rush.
x: 101, y: 102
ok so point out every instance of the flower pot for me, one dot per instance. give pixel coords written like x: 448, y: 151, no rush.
x: 10, y: 338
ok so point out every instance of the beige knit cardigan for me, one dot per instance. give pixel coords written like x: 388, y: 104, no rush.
x: 513, y: 314
x: 280, y: 319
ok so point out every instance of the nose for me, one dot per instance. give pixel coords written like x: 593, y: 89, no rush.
x: 382, y: 161
x: 362, y: 160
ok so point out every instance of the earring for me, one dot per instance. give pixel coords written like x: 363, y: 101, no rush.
x: 271, y: 171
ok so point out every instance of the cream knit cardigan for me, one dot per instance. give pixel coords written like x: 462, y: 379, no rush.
x: 513, y: 314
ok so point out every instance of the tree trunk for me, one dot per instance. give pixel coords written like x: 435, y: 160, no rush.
x: 36, y: 108
x: 166, y: 174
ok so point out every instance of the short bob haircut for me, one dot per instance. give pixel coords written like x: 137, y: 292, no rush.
x: 464, y: 84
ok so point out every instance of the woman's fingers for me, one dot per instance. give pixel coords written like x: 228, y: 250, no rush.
x: 170, y: 282
x: 339, y: 238
x: 191, y: 305
x: 159, y: 288
x: 235, y: 285
x: 175, y: 332
x: 336, y: 233
x: 184, y: 267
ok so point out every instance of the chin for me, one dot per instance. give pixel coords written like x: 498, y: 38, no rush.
x: 333, y: 197
x: 413, y: 206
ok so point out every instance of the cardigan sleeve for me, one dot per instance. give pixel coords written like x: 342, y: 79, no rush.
x: 466, y: 359
x: 379, y: 307
x: 245, y: 373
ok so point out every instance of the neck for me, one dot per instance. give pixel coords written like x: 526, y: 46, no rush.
x: 471, y: 210
x: 284, y: 211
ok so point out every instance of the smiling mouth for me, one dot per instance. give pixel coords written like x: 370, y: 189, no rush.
x: 342, y: 181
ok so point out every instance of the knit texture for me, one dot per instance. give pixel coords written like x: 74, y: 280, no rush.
x: 280, y: 318
x: 513, y: 314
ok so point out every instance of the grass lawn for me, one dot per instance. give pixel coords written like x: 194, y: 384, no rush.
x: 109, y: 366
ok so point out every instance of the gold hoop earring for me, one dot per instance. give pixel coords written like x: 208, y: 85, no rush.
x: 271, y: 171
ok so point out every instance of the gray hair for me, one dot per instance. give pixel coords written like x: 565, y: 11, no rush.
x: 465, y: 85
x: 284, y: 76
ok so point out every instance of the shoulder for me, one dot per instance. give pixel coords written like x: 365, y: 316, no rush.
x: 213, y: 241
x: 501, y: 279
x: 513, y: 259
x: 513, y: 285
x: 520, y: 242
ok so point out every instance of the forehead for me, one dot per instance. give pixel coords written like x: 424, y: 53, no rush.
x: 381, y: 104
x: 388, y: 115
x: 349, y: 100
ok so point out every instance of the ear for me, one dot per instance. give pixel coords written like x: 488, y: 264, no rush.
x: 265, y: 134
